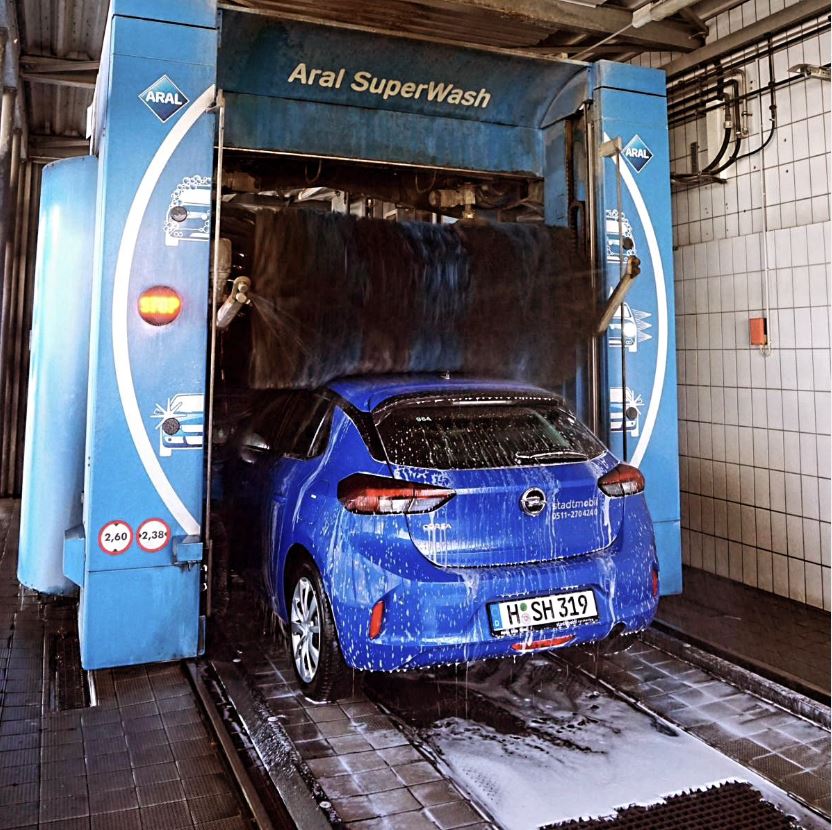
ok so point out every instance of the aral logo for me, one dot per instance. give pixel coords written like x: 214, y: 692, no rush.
x: 164, y: 98
x: 637, y: 153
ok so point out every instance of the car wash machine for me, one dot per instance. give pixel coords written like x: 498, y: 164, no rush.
x: 119, y: 423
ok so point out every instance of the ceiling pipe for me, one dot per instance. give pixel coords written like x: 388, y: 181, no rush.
x: 660, y: 10
x: 650, y: 13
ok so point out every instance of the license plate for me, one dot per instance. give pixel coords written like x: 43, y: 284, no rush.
x: 542, y: 612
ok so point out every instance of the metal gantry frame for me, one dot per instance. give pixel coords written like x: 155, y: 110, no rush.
x: 157, y: 96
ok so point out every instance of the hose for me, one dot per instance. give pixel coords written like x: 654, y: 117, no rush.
x: 734, y: 153
x: 772, y: 108
x: 715, y: 165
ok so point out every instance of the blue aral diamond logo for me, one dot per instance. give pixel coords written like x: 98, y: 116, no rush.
x: 637, y: 153
x: 164, y: 98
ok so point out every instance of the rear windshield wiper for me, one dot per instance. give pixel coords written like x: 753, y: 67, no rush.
x: 545, y: 455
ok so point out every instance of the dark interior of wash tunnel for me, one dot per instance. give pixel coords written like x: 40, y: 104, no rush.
x: 336, y: 295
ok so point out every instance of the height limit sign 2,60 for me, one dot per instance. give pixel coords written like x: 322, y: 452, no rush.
x: 115, y: 537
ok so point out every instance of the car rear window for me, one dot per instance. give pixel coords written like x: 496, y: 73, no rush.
x: 475, y: 434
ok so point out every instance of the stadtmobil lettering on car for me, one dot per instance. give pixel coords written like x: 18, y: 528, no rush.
x: 445, y: 92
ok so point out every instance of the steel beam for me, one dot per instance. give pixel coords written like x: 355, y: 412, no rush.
x: 708, y: 9
x: 46, y: 69
x: 599, y: 20
x: 774, y: 23
x: 49, y: 63
x: 76, y: 79
x: 554, y: 14
x: 53, y: 147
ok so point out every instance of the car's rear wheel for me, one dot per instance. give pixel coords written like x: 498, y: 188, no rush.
x: 313, y: 641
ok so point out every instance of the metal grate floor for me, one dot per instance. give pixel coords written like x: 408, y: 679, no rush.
x: 726, y: 807
x: 142, y: 759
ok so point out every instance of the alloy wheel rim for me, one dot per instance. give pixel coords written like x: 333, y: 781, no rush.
x: 305, y: 622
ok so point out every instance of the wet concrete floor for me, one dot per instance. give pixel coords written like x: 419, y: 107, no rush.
x: 520, y: 743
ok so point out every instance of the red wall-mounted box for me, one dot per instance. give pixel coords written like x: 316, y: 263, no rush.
x: 758, y: 331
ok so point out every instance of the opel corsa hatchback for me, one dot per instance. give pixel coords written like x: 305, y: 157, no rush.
x: 415, y: 521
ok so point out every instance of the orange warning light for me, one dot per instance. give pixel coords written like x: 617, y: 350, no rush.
x: 159, y: 305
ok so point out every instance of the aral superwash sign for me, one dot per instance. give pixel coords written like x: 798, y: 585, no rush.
x: 298, y: 61
x: 445, y: 92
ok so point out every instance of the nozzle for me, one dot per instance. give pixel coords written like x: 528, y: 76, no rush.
x: 234, y: 302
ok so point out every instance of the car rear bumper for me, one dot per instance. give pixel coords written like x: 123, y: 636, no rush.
x: 442, y: 615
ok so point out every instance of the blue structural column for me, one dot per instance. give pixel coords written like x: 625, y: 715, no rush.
x: 137, y: 556
x: 629, y: 103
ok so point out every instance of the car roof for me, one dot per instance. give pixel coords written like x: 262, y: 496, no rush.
x: 367, y: 392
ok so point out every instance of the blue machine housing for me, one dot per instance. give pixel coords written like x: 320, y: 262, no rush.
x: 154, y: 134
x: 153, y: 139
x: 438, y: 586
x: 53, y: 460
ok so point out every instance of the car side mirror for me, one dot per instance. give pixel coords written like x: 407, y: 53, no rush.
x: 253, y: 447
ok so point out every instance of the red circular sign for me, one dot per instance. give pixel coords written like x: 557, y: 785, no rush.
x: 153, y: 535
x: 115, y: 537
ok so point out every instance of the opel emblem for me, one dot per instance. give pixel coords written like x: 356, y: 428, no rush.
x: 533, y: 501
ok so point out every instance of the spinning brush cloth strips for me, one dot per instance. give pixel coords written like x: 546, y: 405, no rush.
x: 336, y: 295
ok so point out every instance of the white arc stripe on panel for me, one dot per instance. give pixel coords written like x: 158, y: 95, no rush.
x: 661, y: 312
x: 121, y: 285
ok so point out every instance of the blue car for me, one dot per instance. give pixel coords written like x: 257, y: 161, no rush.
x: 413, y: 521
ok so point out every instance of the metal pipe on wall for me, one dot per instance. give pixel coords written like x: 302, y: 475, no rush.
x: 6, y: 128
x: 595, y: 419
x: 7, y: 330
x: 7, y: 107
x: 686, y: 103
x: 13, y: 345
x: 25, y: 338
x: 6, y: 275
x: 9, y: 252
x: 212, y: 361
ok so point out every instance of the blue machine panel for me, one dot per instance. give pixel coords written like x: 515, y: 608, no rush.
x: 187, y: 12
x: 379, y: 135
x: 53, y: 461
x: 120, y: 627
x: 146, y: 420
x: 643, y: 405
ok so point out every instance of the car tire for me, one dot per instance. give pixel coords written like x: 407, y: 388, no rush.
x: 315, y: 655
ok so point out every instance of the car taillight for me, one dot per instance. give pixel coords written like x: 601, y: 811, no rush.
x: 368, y: 494
x: 376, y: 619
x: 622, y: 480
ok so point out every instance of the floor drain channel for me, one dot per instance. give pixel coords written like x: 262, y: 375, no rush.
x: 726, y: 807
x: 62, y: 661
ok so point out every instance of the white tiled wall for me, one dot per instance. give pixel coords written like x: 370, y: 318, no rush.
x: 755, y: 430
